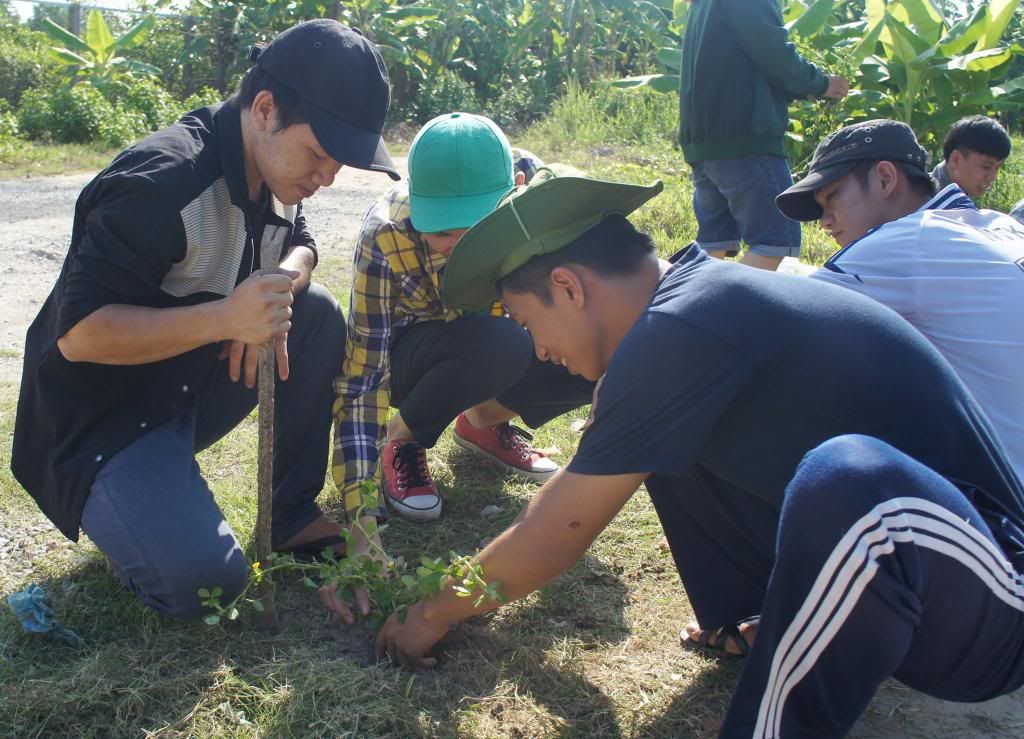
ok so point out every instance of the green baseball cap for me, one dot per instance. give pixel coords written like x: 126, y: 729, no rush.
x: 558, y: 206
x: 460, y: 164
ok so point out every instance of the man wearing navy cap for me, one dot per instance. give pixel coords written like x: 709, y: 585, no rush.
x: 145, y: 351
x: 856, y: 522
x: 954, y: 271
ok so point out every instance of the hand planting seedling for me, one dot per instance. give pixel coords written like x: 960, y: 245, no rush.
x: 392, y: 585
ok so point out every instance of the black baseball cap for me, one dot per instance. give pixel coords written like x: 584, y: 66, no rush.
x: 340, y: 77
x: 840, y: 152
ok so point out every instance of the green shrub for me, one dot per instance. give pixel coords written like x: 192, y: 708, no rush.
x: 79, y: 114
x: 444, y: 93
x: 146, y: 97
x: 200, y: 99
x: 24, y: 64
x: 123, y: 127
x: 35, y: 114
x: 515, y: 104
x: 9, y: 141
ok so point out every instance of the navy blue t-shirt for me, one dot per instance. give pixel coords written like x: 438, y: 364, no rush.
x: 743, y: 372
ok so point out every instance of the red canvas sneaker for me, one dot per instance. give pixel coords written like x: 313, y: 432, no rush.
x: 408, y: 486
x: 507, y: 447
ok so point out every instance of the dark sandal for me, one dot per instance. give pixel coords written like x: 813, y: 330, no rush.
x: 313, y: 551
x: 715, y: 642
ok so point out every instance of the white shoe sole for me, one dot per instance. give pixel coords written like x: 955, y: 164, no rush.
x: 420, y: 515
x: 531, y: 476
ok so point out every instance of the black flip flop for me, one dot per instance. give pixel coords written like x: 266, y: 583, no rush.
x: 715, y: 641
x: 313, y: 551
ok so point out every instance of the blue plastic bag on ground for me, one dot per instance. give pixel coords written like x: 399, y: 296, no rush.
x: 32, y: 608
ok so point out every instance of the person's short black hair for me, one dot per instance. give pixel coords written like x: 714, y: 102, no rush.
x: 288, y: 103
x: 611, y: 248
x: 980, y: 134
x: 921, y: 183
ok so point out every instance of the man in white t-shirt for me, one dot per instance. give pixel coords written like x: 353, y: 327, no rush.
x: 953, y: 271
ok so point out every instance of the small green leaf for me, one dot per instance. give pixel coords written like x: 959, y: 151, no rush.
x: 217, y: 592
x: 213, y: 619
x: 232, y: 614
x: 258, y: 606
x: 308, y: 582
x: 203, y: 593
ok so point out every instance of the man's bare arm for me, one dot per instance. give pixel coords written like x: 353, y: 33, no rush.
x: 302, y: 260
x: 553, y: 532
x: 258, y: 310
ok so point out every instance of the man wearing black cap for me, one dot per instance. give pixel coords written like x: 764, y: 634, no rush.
x: 136, y: 360
x: 856, y: 522
x: 955, y: 272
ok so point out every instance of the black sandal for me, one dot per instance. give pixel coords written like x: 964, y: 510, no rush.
x: 715, y: 642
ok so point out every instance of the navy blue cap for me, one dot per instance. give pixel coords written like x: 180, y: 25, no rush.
x: 340, y: 78
x: 838, y: 153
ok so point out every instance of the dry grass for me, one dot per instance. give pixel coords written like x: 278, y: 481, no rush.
x: 593, y: 654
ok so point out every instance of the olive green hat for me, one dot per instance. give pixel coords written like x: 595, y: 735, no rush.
x: 558, y: 206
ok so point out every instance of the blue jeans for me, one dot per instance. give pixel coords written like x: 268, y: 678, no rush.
x: 734, y: 199
x: 154, y: 516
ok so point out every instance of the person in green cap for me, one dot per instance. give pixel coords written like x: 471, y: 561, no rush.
x: 855, y: 521
x: 407, y: 349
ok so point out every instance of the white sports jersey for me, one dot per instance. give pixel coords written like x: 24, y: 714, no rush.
x: 957, y: 274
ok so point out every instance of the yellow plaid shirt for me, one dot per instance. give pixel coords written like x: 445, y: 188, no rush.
x: 396, y: 282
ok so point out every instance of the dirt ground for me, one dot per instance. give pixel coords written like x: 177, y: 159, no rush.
x: 34, y: 230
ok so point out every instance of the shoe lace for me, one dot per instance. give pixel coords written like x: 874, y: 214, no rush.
x: 516, y: 439
x: 410, y: 465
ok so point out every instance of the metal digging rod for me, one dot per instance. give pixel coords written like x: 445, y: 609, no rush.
x: 271, y: 246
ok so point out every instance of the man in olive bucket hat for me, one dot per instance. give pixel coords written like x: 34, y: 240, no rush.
x: 855, y: 520
x: 136, y: 360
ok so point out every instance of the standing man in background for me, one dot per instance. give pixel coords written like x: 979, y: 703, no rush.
x: 739, y: 72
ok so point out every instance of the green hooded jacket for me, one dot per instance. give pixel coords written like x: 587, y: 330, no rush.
x: 738, y: 74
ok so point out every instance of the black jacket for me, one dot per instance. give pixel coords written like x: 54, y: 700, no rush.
x: 169, y: 223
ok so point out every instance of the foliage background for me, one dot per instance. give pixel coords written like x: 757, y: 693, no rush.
x: 925, y: 61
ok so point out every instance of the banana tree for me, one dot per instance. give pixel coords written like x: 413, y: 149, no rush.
x: 98, y: 56
x: 928, y: 67
x: 668, y: 57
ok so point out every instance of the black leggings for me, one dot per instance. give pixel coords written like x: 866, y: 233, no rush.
x: 440, y: 369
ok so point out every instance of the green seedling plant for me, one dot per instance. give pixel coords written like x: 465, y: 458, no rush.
x: 392, y: 585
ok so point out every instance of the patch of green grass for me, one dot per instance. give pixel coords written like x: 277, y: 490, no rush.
x: 1008, y: 188
x: 33, y: 158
